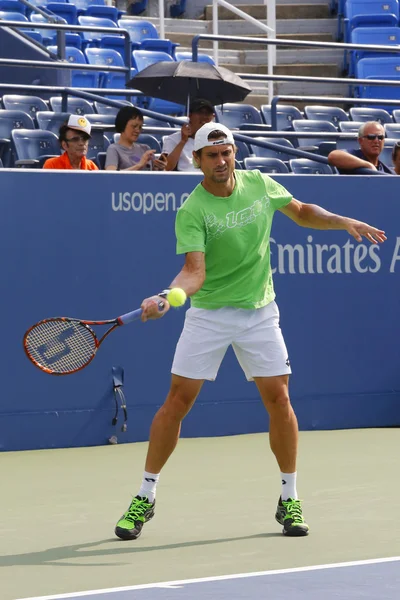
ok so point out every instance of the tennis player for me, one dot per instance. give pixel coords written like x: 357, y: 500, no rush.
x: 223, y: 229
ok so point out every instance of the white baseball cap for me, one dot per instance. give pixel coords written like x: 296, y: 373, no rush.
x: 201, y: 138
x: 79, y: 123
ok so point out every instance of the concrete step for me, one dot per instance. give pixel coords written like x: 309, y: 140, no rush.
x: 185, y: 39
x: 308, y: 70
x: 258, y: 99
x: 283, y: 11
x: 282, y: 26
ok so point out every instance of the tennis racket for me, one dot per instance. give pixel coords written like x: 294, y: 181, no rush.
x: 62, y: 346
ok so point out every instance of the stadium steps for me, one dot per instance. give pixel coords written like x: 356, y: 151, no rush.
x: 283, y: 11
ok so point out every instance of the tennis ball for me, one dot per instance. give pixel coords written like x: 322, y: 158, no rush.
x: 176, y: 297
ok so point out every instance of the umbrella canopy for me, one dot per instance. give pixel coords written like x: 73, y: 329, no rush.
x: 185, y: 80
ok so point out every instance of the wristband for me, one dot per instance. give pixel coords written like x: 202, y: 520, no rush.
x: 164, y: 293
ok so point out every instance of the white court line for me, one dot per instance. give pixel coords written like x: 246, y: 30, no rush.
x: 171, y: 584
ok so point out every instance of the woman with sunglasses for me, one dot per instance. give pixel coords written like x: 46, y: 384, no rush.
x: 365, y: 160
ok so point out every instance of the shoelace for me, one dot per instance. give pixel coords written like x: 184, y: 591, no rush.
x: 293, y: 510
x: 136, y: 510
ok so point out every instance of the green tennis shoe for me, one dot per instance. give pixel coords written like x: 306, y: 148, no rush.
x: 290, y: 514
x: 130, y: 525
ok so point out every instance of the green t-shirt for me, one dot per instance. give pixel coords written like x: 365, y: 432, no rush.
x: 233, y: 233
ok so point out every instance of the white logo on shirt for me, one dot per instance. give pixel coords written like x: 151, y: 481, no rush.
x: 216, y: 227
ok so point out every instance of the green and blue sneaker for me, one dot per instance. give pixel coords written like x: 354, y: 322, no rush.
x: 130, y: 525
x: 289, y: 514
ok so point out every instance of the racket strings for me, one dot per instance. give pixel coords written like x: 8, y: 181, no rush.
x: 61, y: 346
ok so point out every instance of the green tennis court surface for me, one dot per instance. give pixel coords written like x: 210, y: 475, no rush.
x: 215, y: 517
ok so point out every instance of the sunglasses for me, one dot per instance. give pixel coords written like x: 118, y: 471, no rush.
x: 374, y: 136
x: 77, y: 138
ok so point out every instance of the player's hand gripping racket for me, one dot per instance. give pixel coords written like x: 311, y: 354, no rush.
x: 61, y: 346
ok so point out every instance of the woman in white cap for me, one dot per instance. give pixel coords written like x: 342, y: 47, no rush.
x: 74, y: 139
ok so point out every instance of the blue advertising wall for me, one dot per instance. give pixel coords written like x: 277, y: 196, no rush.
x: 92, y: 245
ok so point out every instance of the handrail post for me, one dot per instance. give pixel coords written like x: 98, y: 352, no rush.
x: 128, y: 56
x: 60, y: 33
x: 274, y: 116
x: 215, y: 31
x: 64, y: 101
x: 195, y: 48
x: 161, y: 18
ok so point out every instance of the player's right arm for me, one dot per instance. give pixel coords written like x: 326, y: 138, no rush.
x: 343, y: 160
x: 190, y: 279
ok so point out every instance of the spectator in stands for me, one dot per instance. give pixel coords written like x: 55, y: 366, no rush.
x: 179, y: 146
x: 126, y: 154
x: 74, y: 138
x: 396, y: 158
x: 365, y: 161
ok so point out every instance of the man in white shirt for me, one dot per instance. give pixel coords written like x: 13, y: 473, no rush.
x: 179, y: 146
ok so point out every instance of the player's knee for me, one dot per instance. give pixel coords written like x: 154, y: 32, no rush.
x: 278, y: 401
x: 178, y: 403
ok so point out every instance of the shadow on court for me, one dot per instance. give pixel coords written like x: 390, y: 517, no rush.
x: 89, y: 550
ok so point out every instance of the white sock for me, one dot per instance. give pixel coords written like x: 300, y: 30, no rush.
x: 149, y: 484
x: 289, y: 486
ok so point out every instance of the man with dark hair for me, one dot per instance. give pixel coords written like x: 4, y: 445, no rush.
x: 179, y: 146
x: 74, y: 136
x: 365, y: 160
x: 127, y: 154
x: 223, y: 230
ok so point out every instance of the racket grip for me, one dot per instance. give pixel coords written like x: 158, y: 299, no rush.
x: 136, y: 314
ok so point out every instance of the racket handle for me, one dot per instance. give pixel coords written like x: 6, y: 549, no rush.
x: 136, y: 314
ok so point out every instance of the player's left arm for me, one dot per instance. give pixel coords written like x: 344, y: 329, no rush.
x: 315, y: 217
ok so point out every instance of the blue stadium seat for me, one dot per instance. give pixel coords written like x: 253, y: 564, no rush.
x: 243, y: 151
x: 143, y: 59
x: 396, y: 115
x: 76, y: 106
x: 350, y: 126
x: 150, y: 140
x: 73, y: 40
x: 94, y: 37
x: 305, y: 166
x: 79, y: 79
x: 189, y: 56
x: 368, y: 113
x: 105, y: 109
x: 9, y: 120
x: 386, y: 154
x: 265, y: 165
x: 177, y: 9
x: 370, y: 13
x: 269, y: 152
x: 13, y: 16
x: 102, y: 12
x: 144, y: 36
x: 13, y: 6
x: 307, y: 125
x: 385, y: 36
x: 51, y: 121
x: 35, y: 35
x: 347, y: 144
x: 107, y: 57
x: 28, y: 104
x: 392, y: 130
x: 47, y: 34
x: 151, y: 122
x: 235, y: 115
x: 34, y: 146
x: 105, y: 123
x: 379, y: 68
x: 65, y: 10
x: 98, y: 143
x: 286, y: 114
x: 114, y: 42
x: 334, y: 114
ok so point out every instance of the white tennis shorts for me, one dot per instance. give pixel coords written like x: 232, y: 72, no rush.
x: 255, y: 336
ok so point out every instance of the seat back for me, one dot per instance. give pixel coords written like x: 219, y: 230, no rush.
x: 369, y: 113
x: 105, y: 109
x: 102, y: 12
x: 189, y: 56
x: 270, y: 152
x: 33, y: 143
x: 265, y: 165
x: 145, y: 58
x: 13, y: 16
x: 78, y: 78
x: 48, y: 34
x: 235, y: 115
x: 10, y: 120
x: 139, y: 30
x: 308, y: 125
x: 350, y: 126
x: 75, y: 106
x: 12, y: 6
x: 52, y: 121
x: 286, y: 114
x: 333, y: 114
x: 392, y: 130
x: 27, y: 104
x: 65, y: 10
x: 95, y: 36
x: 149, y: 140
x: 305, y: 166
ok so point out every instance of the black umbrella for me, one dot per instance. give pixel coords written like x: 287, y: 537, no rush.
x: 185, y: 80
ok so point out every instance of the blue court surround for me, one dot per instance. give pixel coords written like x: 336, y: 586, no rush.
x: 368, y: 580
x: 92, y: 245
